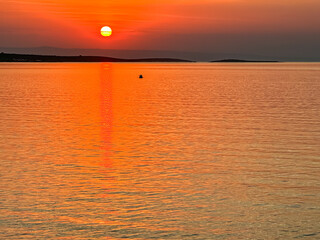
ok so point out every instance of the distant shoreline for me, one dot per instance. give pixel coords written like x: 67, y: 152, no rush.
x: 243, y: 61
x: 13, y: 57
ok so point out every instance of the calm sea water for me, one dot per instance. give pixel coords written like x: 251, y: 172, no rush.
x: 191, y: 151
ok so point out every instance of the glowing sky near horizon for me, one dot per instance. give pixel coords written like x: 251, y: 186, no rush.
x: 176, y: 24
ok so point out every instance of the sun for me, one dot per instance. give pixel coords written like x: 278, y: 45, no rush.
x: 106, y: 31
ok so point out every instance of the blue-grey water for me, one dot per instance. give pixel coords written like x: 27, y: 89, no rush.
x: 191, y: 151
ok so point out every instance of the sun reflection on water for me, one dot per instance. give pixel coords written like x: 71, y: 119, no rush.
x: 190, y: 151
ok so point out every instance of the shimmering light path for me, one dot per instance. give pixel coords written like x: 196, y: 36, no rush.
x: 191, y: 151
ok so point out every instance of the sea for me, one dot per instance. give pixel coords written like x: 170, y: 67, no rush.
x: 189, y: 151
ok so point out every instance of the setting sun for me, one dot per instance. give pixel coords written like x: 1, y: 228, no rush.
x: 106, y: 31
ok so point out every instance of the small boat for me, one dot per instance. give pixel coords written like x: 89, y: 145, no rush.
x: 140, y: 76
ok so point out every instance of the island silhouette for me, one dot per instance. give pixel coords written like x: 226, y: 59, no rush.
x: 240, y: 61
x: 13, y: 57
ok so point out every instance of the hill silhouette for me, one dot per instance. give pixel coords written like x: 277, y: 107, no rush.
x: 11, y: 57
x: 143, y: 54
x: 243, y: 61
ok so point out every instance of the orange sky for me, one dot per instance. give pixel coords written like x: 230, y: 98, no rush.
x: 148, y: 24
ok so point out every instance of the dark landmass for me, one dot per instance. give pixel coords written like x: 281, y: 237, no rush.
x: 240, y: 61
x: 137, y: 54
x: 196, y: 55
x: 10, y: 57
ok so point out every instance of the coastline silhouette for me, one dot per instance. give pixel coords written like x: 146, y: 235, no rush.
x: 13, y: 57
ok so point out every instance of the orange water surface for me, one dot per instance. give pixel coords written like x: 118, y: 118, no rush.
x: 191, y: 151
